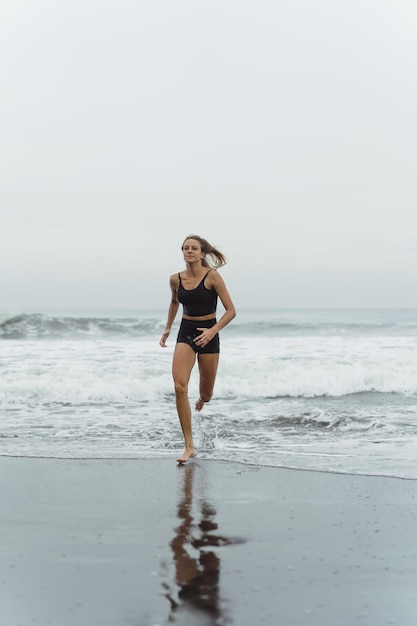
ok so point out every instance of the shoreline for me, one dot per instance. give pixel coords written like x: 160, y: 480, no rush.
x: 102, y: 542
x: 171, y: 458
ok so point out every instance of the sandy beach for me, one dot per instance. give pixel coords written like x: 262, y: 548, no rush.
x: 146, y: 542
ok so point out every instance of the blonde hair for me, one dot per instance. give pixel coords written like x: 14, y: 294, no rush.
x: 212, y: 257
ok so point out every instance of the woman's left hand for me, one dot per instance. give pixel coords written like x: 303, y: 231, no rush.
x: 205, y: 337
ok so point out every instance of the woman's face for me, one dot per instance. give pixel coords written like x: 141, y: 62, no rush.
x: 191, y: 250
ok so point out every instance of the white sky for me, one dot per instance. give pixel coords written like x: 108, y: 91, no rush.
x: 284, y: 131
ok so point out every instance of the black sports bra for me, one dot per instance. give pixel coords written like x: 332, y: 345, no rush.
x: 198, y: 301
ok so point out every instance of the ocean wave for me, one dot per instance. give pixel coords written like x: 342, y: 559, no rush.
x: 56, y: 388
x: 277, y: 324
x: 134, y: 371
x: 275, y: 328
x: 41, y: 326
x: 325, y: 421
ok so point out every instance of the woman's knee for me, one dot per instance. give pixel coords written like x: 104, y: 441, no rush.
x: 206, y: 395
x: 180, y: 386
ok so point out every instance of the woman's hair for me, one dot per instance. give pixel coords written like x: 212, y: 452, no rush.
x: 212, y: 257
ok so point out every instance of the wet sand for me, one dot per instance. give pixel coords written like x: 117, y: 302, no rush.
x: 146, y: 542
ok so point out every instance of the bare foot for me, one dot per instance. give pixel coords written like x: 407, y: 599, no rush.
x: 199, y: 404
x: 189, y: 452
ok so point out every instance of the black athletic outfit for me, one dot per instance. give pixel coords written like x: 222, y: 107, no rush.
x: 197, y: 302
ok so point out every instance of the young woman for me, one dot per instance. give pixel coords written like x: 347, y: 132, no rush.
x: 197, y: 288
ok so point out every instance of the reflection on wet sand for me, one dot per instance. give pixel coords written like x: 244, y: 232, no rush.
x: 197, y: 568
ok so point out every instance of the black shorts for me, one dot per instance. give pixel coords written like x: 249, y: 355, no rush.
x: 188, y: 332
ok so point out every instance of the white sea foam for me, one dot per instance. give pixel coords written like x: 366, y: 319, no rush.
x: 319, y: 366
x: 102, y: 371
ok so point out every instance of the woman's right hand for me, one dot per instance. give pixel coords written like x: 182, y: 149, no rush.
x: 162, y: 341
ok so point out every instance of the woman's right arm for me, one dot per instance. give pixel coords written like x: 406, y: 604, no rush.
x: 172, y: 311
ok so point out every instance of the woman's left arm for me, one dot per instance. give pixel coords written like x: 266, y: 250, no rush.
x: 219, y: 285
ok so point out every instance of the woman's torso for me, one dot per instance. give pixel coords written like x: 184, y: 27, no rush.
x: 198, y: 302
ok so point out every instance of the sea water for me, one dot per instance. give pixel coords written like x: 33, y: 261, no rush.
x: 332, y: 390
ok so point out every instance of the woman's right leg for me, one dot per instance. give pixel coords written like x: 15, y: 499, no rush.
x: 182, y: 364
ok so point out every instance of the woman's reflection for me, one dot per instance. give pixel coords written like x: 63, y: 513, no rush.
x: 197, y: 568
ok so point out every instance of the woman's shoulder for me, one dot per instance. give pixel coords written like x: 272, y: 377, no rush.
x: 213, y: 277
x: 174, y: 280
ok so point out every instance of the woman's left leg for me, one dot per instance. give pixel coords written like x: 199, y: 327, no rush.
x: 207, y: 365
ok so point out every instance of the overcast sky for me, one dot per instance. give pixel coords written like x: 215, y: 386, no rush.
x: 284, y: 131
